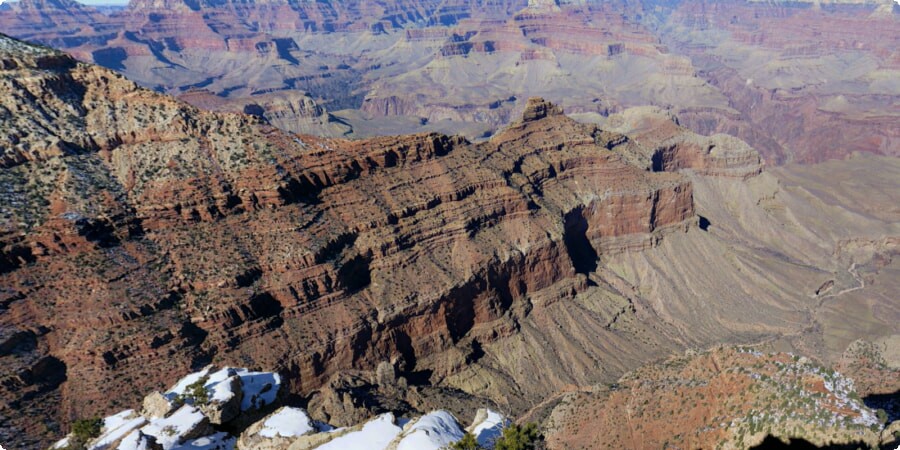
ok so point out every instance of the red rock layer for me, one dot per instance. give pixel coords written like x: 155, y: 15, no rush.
x: 141, y: 237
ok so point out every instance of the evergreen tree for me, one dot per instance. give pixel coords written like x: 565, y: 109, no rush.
x: 519, y: 438
x: 468, y: 442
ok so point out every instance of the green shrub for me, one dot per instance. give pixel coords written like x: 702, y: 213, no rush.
x: 84, y: 430
x: 195, y: 391
x: 468, y: 442
x: 519, y: 438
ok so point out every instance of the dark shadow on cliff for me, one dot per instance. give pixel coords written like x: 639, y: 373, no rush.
x: 584, y: 257
x: 773, y: 443
x: 704, y: 223
x: 890, y: 403
x: 355, y: 274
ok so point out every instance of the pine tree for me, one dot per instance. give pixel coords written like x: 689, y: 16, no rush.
x: 468, y: 442
x: 519, y: 438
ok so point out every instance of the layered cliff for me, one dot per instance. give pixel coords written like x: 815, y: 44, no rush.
x: 199, y: 237
x: 813, y: 81
x: 141, y: 238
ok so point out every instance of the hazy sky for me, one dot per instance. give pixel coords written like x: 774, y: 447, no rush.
x: 104, y: 2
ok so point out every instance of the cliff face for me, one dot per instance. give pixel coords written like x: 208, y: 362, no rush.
x: 791, y: 86
x: 137, y: 229
x: 142, y: 238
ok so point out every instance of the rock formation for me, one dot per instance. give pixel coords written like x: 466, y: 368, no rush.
x: 732, y: 398
x: 195, y: 404
x: 142, y: 238
x: 799, y: 81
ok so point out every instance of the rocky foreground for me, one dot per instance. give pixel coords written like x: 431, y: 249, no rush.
x: 729, y: 398
x: 142, y: 239
x: 193, y: 413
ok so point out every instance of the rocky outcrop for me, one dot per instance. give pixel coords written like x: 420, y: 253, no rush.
x: 192, y: 424
x: 291, y: 111
x: 538, y: 108
x: 736, y: 398
x: 667, y: 147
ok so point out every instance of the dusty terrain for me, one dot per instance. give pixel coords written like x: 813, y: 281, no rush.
x: 724, y: 398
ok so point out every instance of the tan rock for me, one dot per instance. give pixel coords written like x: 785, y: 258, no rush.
x: 156, y: 405
x: 223, y: 412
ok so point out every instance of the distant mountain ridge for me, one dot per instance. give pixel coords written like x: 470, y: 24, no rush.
x: 790, y: 78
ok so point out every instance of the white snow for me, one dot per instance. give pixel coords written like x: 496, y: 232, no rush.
x: 116, y: 420
x: 432, y: 431
x: 183, y: 383
x: 64, y: 442
x: 287, y: 422
x: 219, y: 384
x: 169, y: 431
x: 490, y: 429
x: 134, y: 441
x: 376, y: 434
x: 218, y: 441
x: 259, y: 388
x: 116, y: 427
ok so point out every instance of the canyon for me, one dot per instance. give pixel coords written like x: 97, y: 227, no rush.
x: 143, y: 239
x: 635, y: 224
x: 799, y: 81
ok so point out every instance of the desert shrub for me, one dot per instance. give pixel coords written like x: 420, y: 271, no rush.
x: 517, y: 437
x: 468, y: 442
x: 196, y: 392
x: 83, y: 431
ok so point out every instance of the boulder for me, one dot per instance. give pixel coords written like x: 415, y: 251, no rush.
x: 226, y: 408
x: 157, y: 406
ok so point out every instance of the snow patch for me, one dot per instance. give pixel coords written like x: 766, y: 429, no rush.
x: 488, y: 430
x: 287, y: 422
x: 432, y: 431
x: 134, y: 441
x: 170, y: 430
x: 183, y: 383
x: 259, y: 388
x: 376, y: 434
x: 218, y: 441
x: 116, y: 427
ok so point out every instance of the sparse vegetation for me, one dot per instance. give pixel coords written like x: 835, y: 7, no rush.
x: 83, y: 431
x: 468, y: 442
x: 195, y: 392
x: 517, y: 437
